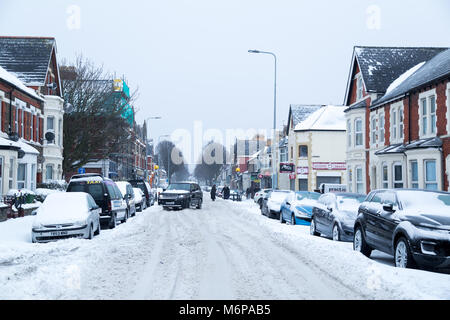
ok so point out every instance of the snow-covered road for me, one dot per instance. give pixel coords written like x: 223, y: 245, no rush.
x: 226, y: 250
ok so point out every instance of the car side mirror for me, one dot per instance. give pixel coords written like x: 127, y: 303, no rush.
x: 330, y: 209
x: 388, y: 207
x: 287, y: 203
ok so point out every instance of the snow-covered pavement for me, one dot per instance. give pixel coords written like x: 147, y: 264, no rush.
x: 227, y: 250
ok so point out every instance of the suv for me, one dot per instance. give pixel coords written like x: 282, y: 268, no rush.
x: 145, y: 187
x: 411, y: 225
x: 181, y: 195
x: 105, y: 193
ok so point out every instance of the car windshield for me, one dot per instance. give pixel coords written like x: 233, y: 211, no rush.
x: 279, y: 196
x: 424, y: 200
x: 308, y: 195
x: 350, y: 202
x: 180, y: 186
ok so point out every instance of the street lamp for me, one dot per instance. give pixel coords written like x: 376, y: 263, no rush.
x: 274, y: 174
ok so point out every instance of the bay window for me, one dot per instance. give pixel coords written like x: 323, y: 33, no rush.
x: 430, y: 175
x: 414, y: 174
x: 398, y: 175
x: 358, y: 132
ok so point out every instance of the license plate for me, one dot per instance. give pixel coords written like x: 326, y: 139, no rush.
x: 170, y: 202
x: 59, y: 233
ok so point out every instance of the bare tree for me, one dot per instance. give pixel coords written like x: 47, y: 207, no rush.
x: 214, y: 157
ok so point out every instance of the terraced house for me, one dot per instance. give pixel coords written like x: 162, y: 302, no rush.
x: 33, y: 60
x: 398, y: 118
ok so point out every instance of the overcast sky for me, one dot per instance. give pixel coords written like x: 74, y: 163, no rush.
x: 190, y: 61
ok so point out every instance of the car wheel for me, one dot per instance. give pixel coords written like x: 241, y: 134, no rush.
x: 97, y: 232
x: 91, y: 234
x: 312, y: 228
x: 113, y: 221
x: 336, y: 233
x: 281, y: 217
x: 260, y: 203
x: 402, y: 255
x: 359, y: 243
x: 200, y: 204
x: 125, y: 218
x: 293, y: 220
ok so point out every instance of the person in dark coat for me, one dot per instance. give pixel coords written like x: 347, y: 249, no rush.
x: 226, y: 193
x: 213, y: 193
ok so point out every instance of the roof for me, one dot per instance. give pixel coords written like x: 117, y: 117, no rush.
x: 359, y: 105
x: 27, y: 57
x: 434, y: 69
x: 380, y: 66
x: 300, y: 112
x: 14, y: 81
x: 324, y: 119
x: 418, y: 144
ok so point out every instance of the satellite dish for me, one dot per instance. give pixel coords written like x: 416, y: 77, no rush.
x: 50, y: 136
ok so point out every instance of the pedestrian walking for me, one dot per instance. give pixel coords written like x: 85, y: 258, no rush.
x: 213, y: 193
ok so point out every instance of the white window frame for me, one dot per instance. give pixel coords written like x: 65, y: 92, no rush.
x: 414, y: 184
x: 434, y: 182
x: 359, y: 87
x: 33, y: 177
x: 397, y: 119
x: 11, y: 173
x: 349, y: 133
x: 350, y: 179
x: 373, y: 130
x: 60, y: 134
x: 381, y: 125
x: 359, y: 133
x: 425, y: 131
x: 385, y: 178
x: 24, y: 182
x: 47, y: 171
x: 359, y: 182
x: 394, y: 181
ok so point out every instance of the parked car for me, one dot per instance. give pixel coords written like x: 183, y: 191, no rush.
x: 181, y: 195
x: 298, y: 206
x: 128, y: 195
x: 141, y: 204
x: 145, y: 187
x: 236, y: 195
x: 273, y: 203
x: 335, y: 214
x: 105, y: 193
x: 66, y: 215
x: 411, y: 225
x: 259, y: 196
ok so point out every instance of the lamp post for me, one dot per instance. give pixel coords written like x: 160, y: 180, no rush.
x: 274, y: 172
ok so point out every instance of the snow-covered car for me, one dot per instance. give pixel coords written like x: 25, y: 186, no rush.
x: 334, y: 215
x: 236, y: 195
x: 258, y: 198
x: 145, y: 187
x: 105, y: 193
x: 139, y: 200
x: 412, y: 225
x: 181, y: 195
x: 272, y: 206
x: 66, y: 215
x: 297, y: 208
x: 128, y: 195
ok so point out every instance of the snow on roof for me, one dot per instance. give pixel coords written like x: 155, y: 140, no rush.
x: 8, y: 143
x: 27, y: 148
x: 404, y: 76
x: 12, y: 79
x: 326, y: 118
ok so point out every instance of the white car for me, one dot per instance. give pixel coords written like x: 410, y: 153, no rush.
x: 128, y: 195
x: 139, y: 199
x: 66, y: 215
x: 275, y: 201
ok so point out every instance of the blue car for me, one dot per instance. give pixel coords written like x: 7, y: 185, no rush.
x: 297, y: 208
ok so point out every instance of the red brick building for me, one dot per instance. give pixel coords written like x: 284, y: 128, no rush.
x: 398, y: 118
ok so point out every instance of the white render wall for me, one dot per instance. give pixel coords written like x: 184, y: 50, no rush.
x: 53, y: 153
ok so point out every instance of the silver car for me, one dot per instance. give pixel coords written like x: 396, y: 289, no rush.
x: 66, y: 215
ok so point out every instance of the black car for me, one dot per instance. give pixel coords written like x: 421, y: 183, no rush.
x: 145, y: 187
x: 105, y: 193
x: 181, y: 195
x: 335, y: 214
x: 411, y: 225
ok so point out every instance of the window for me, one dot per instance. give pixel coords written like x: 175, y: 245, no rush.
x: 37, y: 129
x: 16, y: 122
x: 22, y: 120
x: 49, y: 172
x: 400, y: 123
x: 303, y: 151
x: 374, y: 129
x: 33, y: 176
x: 349, y: 133
x: 303, y: 184
x: 428, y: 115
x: 60, y: 134
x: 350, y: 179
x: 398, y: 176
x: 414, y: 175
x: 381, y: 128
x: 50, y: 124
x: 359, y: 88
x: 21, y: 176
x: 358, y: 132
x: 374, y: 178
x: 385, y: 176
x: 359, y: 180
x: 394, y: 124
x: 11, y: 173
x: 430, y: 175
x: 292, y: 152
x: 31, y: 126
